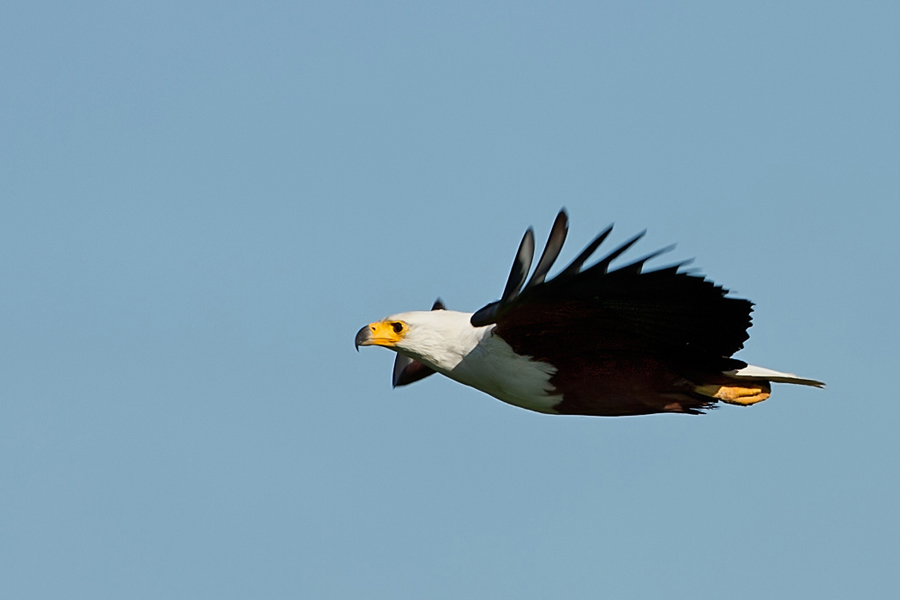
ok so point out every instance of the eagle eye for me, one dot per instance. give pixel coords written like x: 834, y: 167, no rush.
x: 398, y: 327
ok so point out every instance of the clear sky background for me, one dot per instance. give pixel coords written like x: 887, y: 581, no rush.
x: 201, y: 203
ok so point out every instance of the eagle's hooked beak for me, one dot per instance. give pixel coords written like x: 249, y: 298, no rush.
x: 381, y: 333
x: 364, y: 337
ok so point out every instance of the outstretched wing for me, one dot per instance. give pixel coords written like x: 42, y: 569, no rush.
x: 593, y: 323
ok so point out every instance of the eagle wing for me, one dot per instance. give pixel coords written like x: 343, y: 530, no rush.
x: 623, y: 341
x: 409, y: 370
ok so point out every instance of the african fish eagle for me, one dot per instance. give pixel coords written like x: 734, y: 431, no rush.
x: 589, y: 341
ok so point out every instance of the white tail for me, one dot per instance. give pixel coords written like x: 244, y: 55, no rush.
x: 750, y: 373
x: 751, y: 385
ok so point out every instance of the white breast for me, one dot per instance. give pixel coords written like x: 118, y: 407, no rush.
x: 446, y: 341
x: 495, y: 369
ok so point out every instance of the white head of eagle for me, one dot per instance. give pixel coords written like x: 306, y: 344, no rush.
x: 589, y: 341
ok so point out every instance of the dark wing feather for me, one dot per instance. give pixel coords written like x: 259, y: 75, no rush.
x: 657, y: 312
x: 521, y: 266
x: 582, y: 258
x: 665, y: 308
x: 602, y: 266
x: 517, y: 275
x: 625, y: 328
x: 408, y: 370
x: 551, y: 250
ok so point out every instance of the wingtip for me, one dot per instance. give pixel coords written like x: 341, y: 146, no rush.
x: 521, y: 266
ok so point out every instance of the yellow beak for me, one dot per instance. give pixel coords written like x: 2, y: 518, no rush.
x: 381, y: 333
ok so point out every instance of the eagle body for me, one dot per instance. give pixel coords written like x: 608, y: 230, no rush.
x: 590, y: 341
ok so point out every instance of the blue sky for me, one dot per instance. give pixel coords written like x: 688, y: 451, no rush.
x: 202, y: 203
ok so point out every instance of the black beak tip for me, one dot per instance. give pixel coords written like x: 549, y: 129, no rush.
x: 361, y: 336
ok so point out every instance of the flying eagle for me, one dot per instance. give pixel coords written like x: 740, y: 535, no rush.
x: 589, y: 341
